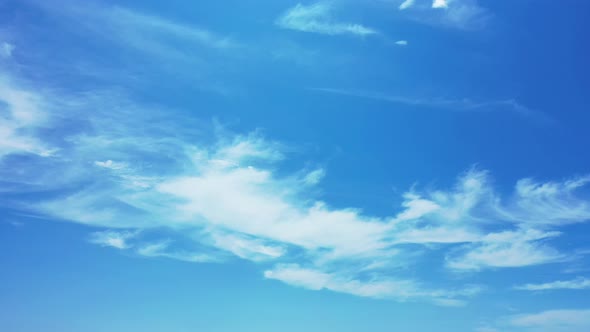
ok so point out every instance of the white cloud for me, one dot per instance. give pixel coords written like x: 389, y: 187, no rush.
x: 113, y: 239
x: 554, y: 321
x: 231, y: 193
x: 6, y: 50
x: 440, y: 4
x: 507, y: 249
x: 314, y: 177
x: 22, y: 112
x: 151, y: 34
x: 406, y: 4
x: 162, y: 249
x: 317, y: 18
x: 456, y: 105
x: 416, y: 207
x: 486, y: 329
x: 231, y: 197
x: 428, y: 235
x: 463, y: 14
x: 458, y: 14
x: 111, y: 164
x: 132, y: 22
x: 402, y: 42
x: 578, y: 283
x: 248, y: 248
x: 402, y: 290
x: 548, y: 203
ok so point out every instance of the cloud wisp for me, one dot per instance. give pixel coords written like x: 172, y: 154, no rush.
x: 554, y: 321
x: 22, y: 114
x: 457, y: 105
x: 407, y: 4
x: 458, y: 14
x: 317, y: 18
x: 575, y: 284
x: 204, y: 199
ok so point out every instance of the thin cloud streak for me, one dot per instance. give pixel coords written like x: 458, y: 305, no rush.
x: 317, y: 18
x: 575, y: 284
x: 458, y: 105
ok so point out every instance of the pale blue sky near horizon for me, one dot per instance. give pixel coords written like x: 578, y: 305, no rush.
x: 345, y: 165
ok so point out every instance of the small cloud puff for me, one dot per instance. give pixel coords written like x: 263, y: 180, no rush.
x: 440, y: 4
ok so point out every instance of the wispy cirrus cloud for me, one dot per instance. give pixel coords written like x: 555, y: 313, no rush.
x: 457, y: 105
x: 564, y: 320
x: 387, y: 288
x: 118, y: 240
x: 130, y: 40
x: 22, y: 113
x: 506, y: 249
x: 578, y: 283
x: 146, y: 32
x: 406, y: 4
x: 161, y: 249
x: 317, y: 18
x: 220, y: 197
x: 459, y: 14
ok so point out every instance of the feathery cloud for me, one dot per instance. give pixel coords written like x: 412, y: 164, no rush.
x: 229, y: 198
x: 554, y: 320
x: 22, y: 114
x: 457, y: 105
x: 578, y: 283
x: 406, y: 4
x: 113, y: 239
x: 317, y: 18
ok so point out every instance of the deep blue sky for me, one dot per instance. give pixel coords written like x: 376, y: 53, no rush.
x: 343, y: 165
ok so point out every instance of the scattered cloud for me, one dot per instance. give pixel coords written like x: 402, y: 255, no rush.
x: 486, y: 329
x: 150, y: 34
x: 110, y: 165
x: 507, y: 249
x: 401, y: 290
x: 162, y: 249
x: 440, y: 4
x: 406, y: 4
x: 314, y: 177
x: 458, y: 105
x: 6, y: 50
x: 401, y: 42
x: 136, y: 26
x: 317, y: 18
x: 578, y: 283
x: 252, y: 249
x: 459, y: 14
x: 112, y: 239
x: 22, y: 113
x: 554, y: 321
x: 213, y: 199
x: 548, y: 203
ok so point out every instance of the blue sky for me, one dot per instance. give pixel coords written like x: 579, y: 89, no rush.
x: 343, y: 165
